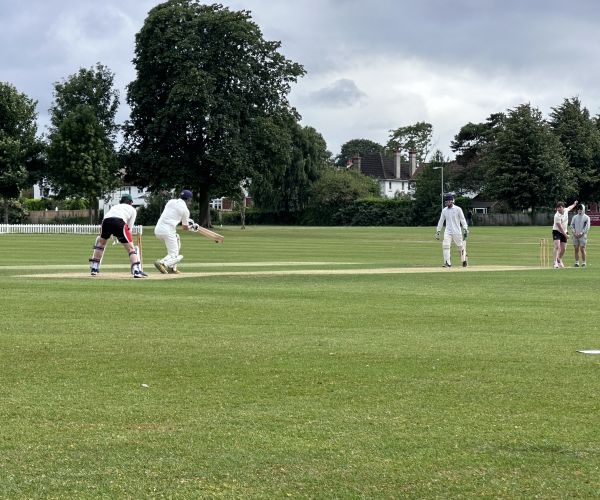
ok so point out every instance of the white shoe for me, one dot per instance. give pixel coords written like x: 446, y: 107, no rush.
x: 584, y: 265
x: 560, y: 264
x: 556, y: 266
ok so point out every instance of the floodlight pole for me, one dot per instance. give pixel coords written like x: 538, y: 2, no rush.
x: 442, y: 172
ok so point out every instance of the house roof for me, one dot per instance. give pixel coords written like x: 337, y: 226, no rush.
x: 381, y: 167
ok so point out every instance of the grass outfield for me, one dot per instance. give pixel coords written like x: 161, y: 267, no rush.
x: 436, y: 384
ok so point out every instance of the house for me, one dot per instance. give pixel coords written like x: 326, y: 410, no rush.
x: 44, y: 190
x: 395, y: 177
x: 113, y: 198
x: 227, y: 204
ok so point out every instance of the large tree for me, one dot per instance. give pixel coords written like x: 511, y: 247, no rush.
x: 20, y: 149
x: 81, y: 154
x: 581, y: 140
x: 206, y: 82
x: 356, y: 146
x: 301, y: 156
x: 428, y: 193
x: 415, y: 137
x: 469, y: 145
x: 526, y: 163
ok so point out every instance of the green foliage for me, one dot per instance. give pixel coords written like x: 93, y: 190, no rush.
x: 581, y: 141
x: 361, y: 147
x: 34, y: 205
x: 428, y: 193
x: 20, y: 150
x: 341, y: 187
x: 284, y: 186
x: 526, y: 165
x: 207, y: 82
x: 415, y: 137
x: 469, y: 145
x: 81, y: 154
x: 155, y: 203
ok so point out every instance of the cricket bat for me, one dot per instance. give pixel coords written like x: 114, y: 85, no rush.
x: 211, y: 235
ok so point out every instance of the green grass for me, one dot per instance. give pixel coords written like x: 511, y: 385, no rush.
x: 429, y: 385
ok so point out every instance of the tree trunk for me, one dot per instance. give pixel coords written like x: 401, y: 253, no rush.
x: 243, y: 211
x: 204, y: 207
x: 5, y: 210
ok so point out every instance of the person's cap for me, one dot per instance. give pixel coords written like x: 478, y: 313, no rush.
x: 126, y: 198
x: 448, y: 197
x: 579, y: 207
x: 186, y: 194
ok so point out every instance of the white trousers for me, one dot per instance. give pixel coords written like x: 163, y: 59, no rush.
x: 173, y: 244
x: 458, y: 241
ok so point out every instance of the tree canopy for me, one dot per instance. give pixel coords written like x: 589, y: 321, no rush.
x: 361, y: 147
x: 20, y: 149
x: 580, y: 138
x: 415, y: 137
x: 207, y: 82
x: 82, y: 160
x: 526, y: 165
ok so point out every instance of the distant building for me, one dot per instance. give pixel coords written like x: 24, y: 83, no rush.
x: 395, y: 177
x: 44, y: 190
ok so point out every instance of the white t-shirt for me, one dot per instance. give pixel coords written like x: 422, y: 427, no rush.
x: 563, y: 219
x: 123, y: 211
x: 454, y: 217
x: 175, y: 211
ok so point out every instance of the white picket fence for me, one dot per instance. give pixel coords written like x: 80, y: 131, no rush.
x: 56, y: 229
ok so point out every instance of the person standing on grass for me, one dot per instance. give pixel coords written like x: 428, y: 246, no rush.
x: 454, y: 218
x: 118, y: 222
x: 175, y: 211
x: 580, y: 226
x: 559, y: 231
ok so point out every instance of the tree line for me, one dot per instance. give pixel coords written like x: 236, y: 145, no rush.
x: 210, y: 112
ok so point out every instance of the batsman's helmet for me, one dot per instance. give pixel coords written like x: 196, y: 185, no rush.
x: 186, y: 194
x: 126, y: 198
x: 448, y: 197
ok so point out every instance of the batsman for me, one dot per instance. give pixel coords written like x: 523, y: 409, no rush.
x: 454, y: 218
x: 176, y: 211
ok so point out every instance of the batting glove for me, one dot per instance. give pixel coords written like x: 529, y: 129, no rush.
x: 437, y: 235
x: 465, y: 234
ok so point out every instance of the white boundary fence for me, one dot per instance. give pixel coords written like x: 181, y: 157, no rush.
x: 56, y: 229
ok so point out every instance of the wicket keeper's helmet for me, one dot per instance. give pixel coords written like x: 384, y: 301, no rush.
x: 448, y: 197
x: 186, y: 194
x: 126, y: 198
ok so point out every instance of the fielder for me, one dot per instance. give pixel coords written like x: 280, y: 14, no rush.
x: 118, y: 222
x: 559, y: 231
x: 175, y: 211
x: 454, y: 218
x: 580, y: 226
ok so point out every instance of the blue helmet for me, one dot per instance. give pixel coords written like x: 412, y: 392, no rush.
x: 448, y: 197
x: 186, y: 194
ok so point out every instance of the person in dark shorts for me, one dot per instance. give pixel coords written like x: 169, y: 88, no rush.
x: 118, y: 222
x: 559, y: 231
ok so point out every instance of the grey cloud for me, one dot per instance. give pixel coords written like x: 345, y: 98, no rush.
x: 341, y: 93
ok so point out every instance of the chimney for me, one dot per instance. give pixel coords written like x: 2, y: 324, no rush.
x: 412, y: 160
x: 356, y: 161
x: 397, y: 163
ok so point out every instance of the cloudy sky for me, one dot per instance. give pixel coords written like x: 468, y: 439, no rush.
x: 372, y: 65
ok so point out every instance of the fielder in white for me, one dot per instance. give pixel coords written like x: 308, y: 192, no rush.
x: 175, y: 211
x: 454, y: 218
x: 580, y: 226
